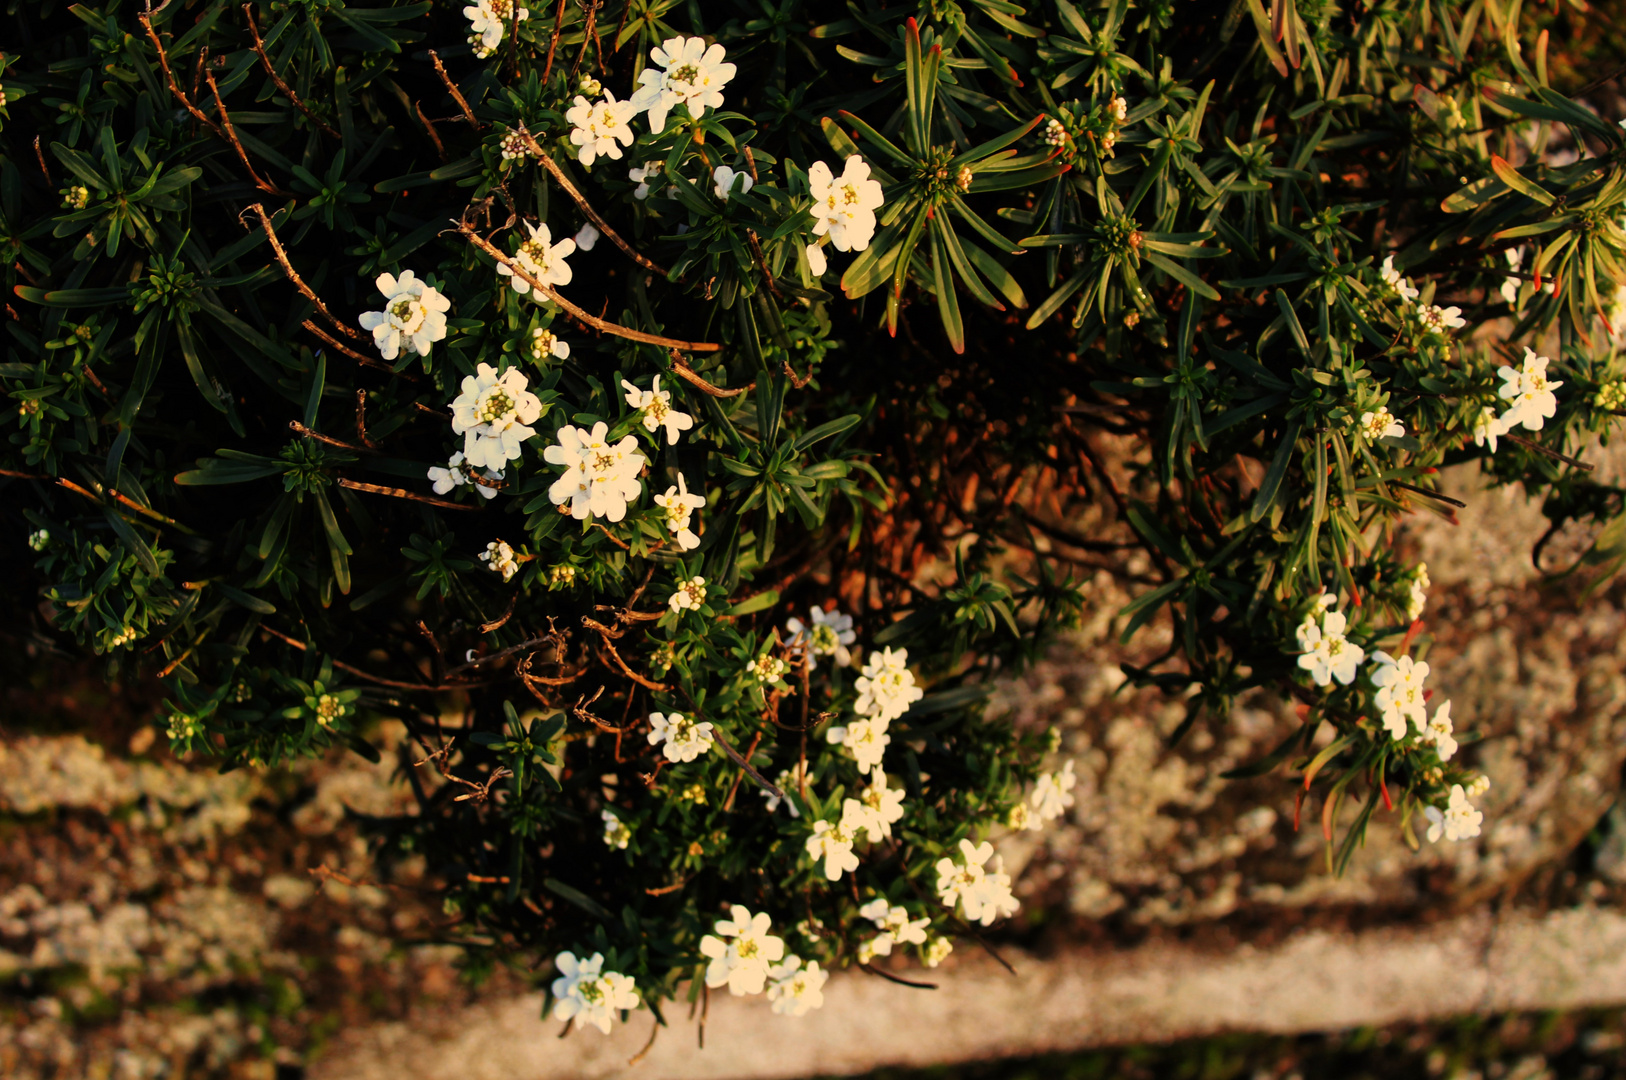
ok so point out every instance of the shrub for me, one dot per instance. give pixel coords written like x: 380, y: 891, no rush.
x: 677, y: 415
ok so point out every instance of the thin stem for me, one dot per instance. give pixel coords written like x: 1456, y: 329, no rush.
x: 734, y: 756
x: 1549, y: 451
x: 379, y: 489
x: 231, y: 137
x: 287, y: 91
x: 330, y: 440
x: 563, y: 180
x: 553, y: 42
x: 293, y: 275
x: 174, y: 87
x: 451, y: 87
x: 577, y: 313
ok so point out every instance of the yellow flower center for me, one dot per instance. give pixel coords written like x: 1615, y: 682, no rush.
x: 494, y: 405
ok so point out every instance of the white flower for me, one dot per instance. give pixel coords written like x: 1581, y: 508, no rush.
x: 1478, y: 786
x: 876, y: 808
x: 723, y: 178
x: 1489, y: 427
x: 887, y: 687
x: 600, y: 128
x: 685, y: 740
x: 1019, y: 818
x: 788, y: 780
x: 1381, y: 425
x: 1417, y: 597
x: 456, y: 474
x: 600, y: 478
x: 796, y: 989
x: 642, y: 176
x: 981, y: 896
x: 585, y: 992
x: 1460, y: 820
x: 656, y: 405
x: 414, y: 314
x: 499, y: 558
x: 1439, y: 319
x: 488, y: 21
x: 867, y: 739
x: 896, y: 928
x: 40, y: 539
x: 586, y: 237
x: 679, y: 505
x: 492, y: 413
x: 766, y: 669
x: 817, y: 264
x: 741, y: 954
x: 1053, y: 793
x: 829, y: 635
x: 689, y: 74
x: 1530, y: 391
x: 845, y: 207
x: 936, y: 951
x: 541, y: 258
x: 833, y: 842
x: 1054, y: 133
x: 617, y: 833
x: 1327, y: 653
x: 545, y: 343
x: 1400, y: 692
x: 1439, y: 732
x: 1392, y: 278
x: 689, y: 595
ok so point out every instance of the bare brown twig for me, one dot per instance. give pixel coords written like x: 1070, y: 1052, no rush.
x: 174, y: 87
x: 295, y: 425
x: 577, y: 313
x: 399, y: 493
x: 287, y: 91
x: 561, y: 178
x: 553, y: 42
x: 451, y: 87
x: 236, y: 143
x: 293, y: 275
x: 429, y: 126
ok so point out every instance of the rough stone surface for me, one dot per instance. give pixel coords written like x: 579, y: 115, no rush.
x: 1313, y: 981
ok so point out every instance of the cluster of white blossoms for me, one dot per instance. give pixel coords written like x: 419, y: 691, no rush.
x: 725, y: 179
x: 414, y: 315
x: 601, y: 128
x: 492, y: 415
x: 545, y: 343
x: 787, y: 780
x: 1417, y: 592
x: 1434, y: 319
x: 1326, y: 653
x: 872, y: 815
x: 1381, y: 424
x: 458, y: 474
x: 617, y: 833
x: 584, y: 991
x: 827, y: 634
x: 1512, y: 283
x: 600, y: 478
x: 766, y: 669
x: 1400, y: 695
x: 1052, y: 794
x: 1459, y: 820
x: 39, y: 539
x: 542, y: 259
x: 686, y: 71
x: 499, y: 559
x: 683, y: 738
x: 744, y: 957
x: 886, y: 689
x: 895, y: 926
x: 680, y: 505
x: 488, y: 22
x: 981, y: 895
x: 843, y: 208
x: 689, y: 595
x: 656, y: 406
x: 1529, y: 392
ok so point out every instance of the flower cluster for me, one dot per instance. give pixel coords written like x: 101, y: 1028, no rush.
x: 458, y: 474
x: 827, y: 633
x: 680, y: 738
x: 744, y: 957
x: 1327, y: 653
x: 600, y: 478
x: 844, y: 207
x: 895, y: 926
x: 655, y: 407
x: 981, y: 896
x: 488, y: 22
x: 492, y: 414
x: 414, y: 315
x: 680, y: 506
x: 499, y: 558
x: 685, y: 72
x: 584, y: 991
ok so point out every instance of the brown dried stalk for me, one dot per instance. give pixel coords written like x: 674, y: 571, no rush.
x: 231, y: 137
x: 365, y: 361
x: 287, y: 91
x: 379, y: 489
x: 688, y: 375
x: 293, y: 275
x: 451, y: 87
x: 553, y: 42
x: 734, y: 755
x: 361, y: 420
x: 580, y: 315
x: 175, y: 87
x: 330, y: 440
x: 429, y: 126
x: 1548, y: 451
x: 563, y: 180
x: 647, y: 684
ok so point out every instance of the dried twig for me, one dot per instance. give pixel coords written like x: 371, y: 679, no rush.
x: 646, y: 683
x: 293, y: 275
x: 577, y: 313
x: 361, y: 420
x: 451, y: 87
x: 688, y: 375
x: 236, y: 143
x: 1428, y: 493
x: 287, y: 91
x: 369, y: 676
x: 429, y: 126
x: 399, y: 493
x: 1547, y: 450
x: 562, y: 178
x: 295, y: 425
x: 553, y: 42
x: 40, y: 155
x: 174, y: 87
x: 889, y: 977
x: 734, y: 756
